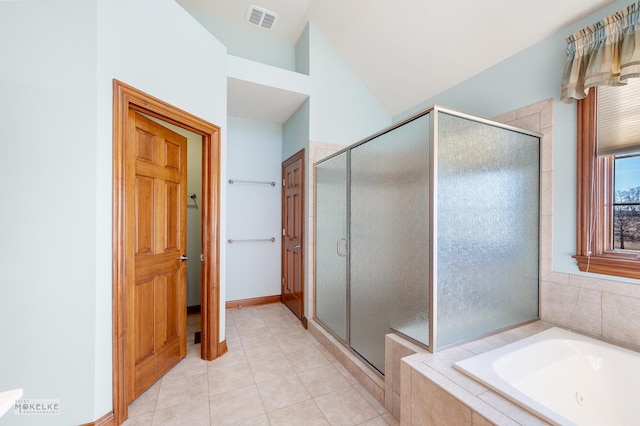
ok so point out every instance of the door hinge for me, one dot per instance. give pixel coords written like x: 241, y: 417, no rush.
x: 284, y: 182
x: 282, y: 281
x: 284, y: 232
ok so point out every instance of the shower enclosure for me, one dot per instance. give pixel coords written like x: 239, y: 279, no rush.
x: 428, y: 229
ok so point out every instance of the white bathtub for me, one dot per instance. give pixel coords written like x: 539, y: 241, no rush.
x: 564, y: 377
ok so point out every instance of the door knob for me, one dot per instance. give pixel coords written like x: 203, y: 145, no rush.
x: 297, y: 246
x: 183, y: 258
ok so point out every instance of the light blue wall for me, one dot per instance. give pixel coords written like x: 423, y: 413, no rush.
x: 302, y: 52
x: 340, y: 108
x: 343, y: 110
x: 194, y: 80
x: 134, y: 41
x: 296, y: 137
x: 194, y: 219
x: 528, y: 77
x: 296, y: 131
x: 59, y: 60
x: 255, y: 44
x: 253, y: 211
x: 48, y: 215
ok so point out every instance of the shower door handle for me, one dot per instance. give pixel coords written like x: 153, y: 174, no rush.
x: 338, y: 247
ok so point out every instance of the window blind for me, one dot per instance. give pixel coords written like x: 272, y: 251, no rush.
x: 618, y: 118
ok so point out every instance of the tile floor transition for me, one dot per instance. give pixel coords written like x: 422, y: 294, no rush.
x: 275, y: 373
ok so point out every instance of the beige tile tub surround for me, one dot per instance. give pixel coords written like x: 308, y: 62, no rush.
x: 602, y: 308
x: 395, y: 348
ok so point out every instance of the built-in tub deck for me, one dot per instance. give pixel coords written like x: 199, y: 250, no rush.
x: 434, y: 392
x: 564, y: 377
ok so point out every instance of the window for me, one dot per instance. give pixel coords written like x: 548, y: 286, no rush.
x: 608, y: 220
x: 626, y: 202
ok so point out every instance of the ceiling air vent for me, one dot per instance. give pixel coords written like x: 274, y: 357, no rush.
x: 262, y: 17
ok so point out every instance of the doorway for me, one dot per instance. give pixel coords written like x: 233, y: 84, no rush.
x: 128, y: 102
x: 293, y: 181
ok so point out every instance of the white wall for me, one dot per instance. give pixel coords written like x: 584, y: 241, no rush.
x: 253, y: 211
x: 48, y: 214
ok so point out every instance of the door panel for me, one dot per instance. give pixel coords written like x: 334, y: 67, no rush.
x: 332, y: 245
x: 144, y: 215
x: 292, y: 245
x: 144, y: 320
x: 156, y: 187
x: 172, y: 191
x: 389, y: 245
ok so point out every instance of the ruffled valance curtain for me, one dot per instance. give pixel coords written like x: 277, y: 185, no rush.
x: 606, y: 53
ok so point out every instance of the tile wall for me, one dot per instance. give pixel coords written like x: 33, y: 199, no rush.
x: 605, y: 309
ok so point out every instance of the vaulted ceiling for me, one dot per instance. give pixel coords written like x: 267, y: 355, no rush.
x: 406, y: 51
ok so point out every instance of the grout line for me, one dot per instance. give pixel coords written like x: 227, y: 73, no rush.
x: 271, y: 316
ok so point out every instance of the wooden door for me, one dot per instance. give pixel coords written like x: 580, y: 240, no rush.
x: 156, y: 182
x: 292, y: 293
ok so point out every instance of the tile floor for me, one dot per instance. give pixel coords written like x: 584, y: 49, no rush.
x: 275, y: 373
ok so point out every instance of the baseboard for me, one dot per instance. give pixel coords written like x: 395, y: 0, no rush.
x: 106, y: 420
x: 193, y: 310
x: 243, y: 303
x: 222, y: 348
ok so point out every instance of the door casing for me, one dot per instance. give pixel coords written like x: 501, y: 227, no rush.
x: 127, y: 98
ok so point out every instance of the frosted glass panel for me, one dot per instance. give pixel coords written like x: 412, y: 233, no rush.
x: 390, y: 239
x: 487, y: 245
x: 331, y: 248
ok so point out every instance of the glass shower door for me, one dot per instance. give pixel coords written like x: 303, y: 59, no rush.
x: 331, y: 245
x: 389, y: 253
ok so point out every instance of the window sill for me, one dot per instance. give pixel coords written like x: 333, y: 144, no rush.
x: 619, y: 267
